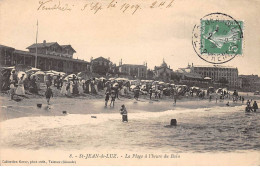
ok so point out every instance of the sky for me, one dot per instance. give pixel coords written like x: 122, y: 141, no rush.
x: 149, y: 35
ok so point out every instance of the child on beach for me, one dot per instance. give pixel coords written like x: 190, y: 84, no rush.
x: 106, y: 98
x: 123, y: 112
x: 227, y: 104
x: 48, y: 94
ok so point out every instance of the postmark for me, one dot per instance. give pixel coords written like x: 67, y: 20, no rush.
x: 218, y: 38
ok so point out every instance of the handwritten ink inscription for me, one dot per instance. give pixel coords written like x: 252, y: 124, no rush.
x: 96, y: 6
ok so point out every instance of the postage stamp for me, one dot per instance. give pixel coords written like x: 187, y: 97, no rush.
x: 218, y: 38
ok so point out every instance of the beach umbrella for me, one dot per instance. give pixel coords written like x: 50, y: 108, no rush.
x: 52, y: 71
x: 102, y: 78
x: 67, y: 78
x: 11, y: 67
x: 161, y: 83
x: 71, y: 75
x: 40, y: 73
x: 132, y: 87
x: 62, y: 73
x: 49, y: 73
x: 111, y: 79
x: 207, y: 78
x: 32, y: 70
x: 115, y: 85
x: 121, y: 79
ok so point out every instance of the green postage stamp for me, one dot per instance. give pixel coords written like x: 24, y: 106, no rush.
x: 218, y: 38
x: 221, y: 37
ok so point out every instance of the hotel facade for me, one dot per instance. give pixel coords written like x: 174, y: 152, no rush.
x: 50, y: 56
x: 217, y: 73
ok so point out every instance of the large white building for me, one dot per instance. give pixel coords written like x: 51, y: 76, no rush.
x: 217, y: 73
x: 135, y: 71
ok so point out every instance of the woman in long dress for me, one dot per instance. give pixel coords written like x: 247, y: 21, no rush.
x: 80, y: 88
x: 63, y: 90
x: 71, y: 87
x: 68, y: 86
x: 20, y: 89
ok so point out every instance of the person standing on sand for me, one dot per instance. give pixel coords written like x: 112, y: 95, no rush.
x: 243, y: 100
x: 63, y: 88
x: 20, y: 89
x: 150, y: 93
x: 175, y: 99
x: 113, y: 98
x: 248, y: 102
x: 13, y: 83
x: 48, y: 94
x: 123, y: 112
x: 255, y: 106
x: 106, y: 98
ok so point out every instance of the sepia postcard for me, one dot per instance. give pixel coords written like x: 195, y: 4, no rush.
x: 129, y: 82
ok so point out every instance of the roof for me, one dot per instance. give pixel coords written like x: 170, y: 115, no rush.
x: 193, y: 75
x: 67, y: 46
x: 214, y: 66
x: 41, y: 45
x: 49, y: 56
x: 161, y: 67
x: 101, y: 58
x: 132, y: 65
x: 2, y: 46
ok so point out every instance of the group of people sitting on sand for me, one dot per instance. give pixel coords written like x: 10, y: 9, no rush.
x: 250, y: 108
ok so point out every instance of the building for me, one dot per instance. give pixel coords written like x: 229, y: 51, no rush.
x: 163, y: 72
x: 50, y: 56
x: 185, y: 74
x: 249, y: 82
x: 101, y: 65
x: 132, y: 70
x: 217, y: 73
x: 52, y: 48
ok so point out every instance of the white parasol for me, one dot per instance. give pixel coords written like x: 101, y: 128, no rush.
x: 40, y: 73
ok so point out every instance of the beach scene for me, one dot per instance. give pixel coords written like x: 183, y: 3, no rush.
x: 129, y: 83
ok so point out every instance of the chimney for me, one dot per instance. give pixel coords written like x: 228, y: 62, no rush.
x: 44, y: 42
x: 108, y: 58
x: 191, y: 64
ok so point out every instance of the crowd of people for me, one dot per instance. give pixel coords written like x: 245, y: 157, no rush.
x: 73, y: 85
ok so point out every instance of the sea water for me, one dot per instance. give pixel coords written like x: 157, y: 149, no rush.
x: 212, y: 129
